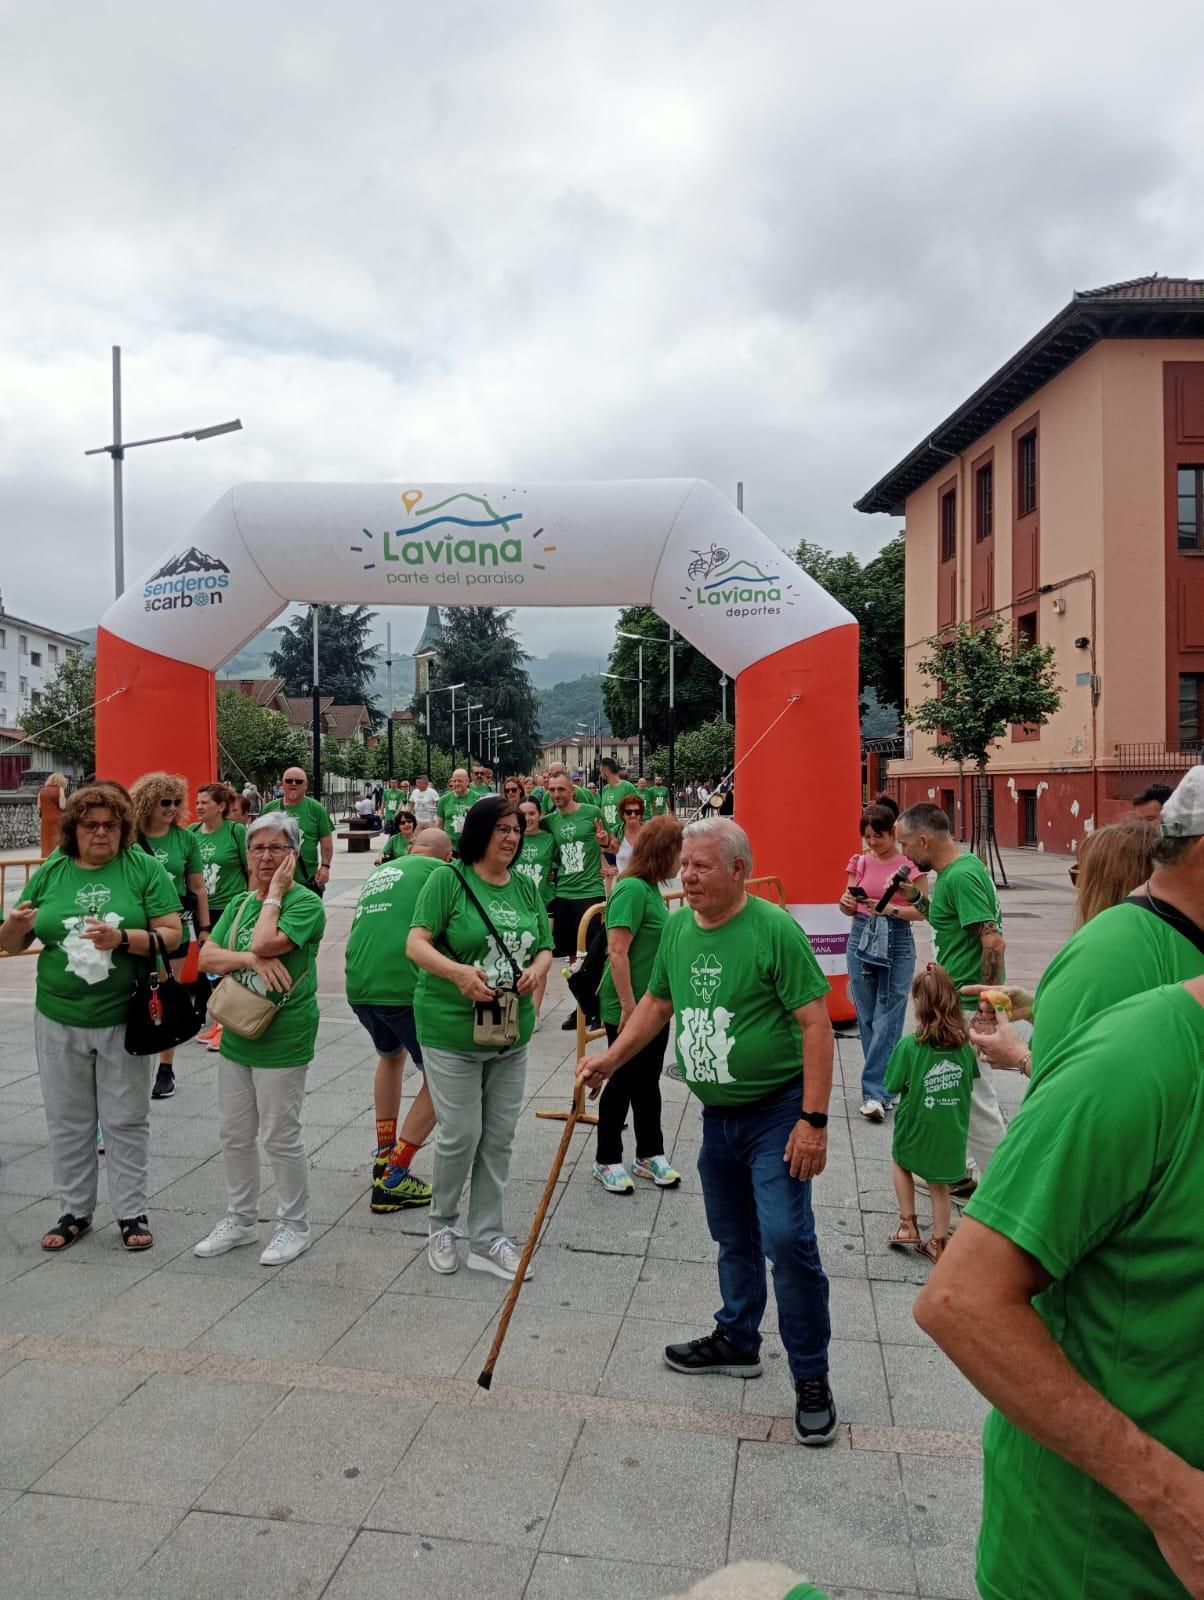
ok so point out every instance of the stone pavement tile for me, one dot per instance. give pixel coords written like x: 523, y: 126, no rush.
x: 636, y: 1370
x: 203, y: 1190
x: 318, y: 1457
x: 164, y: 1171
x: 858, y: 1382
x: 166, y: 1441
x: 332, y: 1194
x: 836, y: 1515
x: 638, y: 1494
x: 57, y: 1294
x: 210, y: 1555
x: 944, y: 1506
x: 586, y: 1578
x: 11, y: 1204
x: 414, y: 1335
x: 412, y: 1567
x: 175, y: 1234
x: 680, y: 1231
x: 178, y: 1135
x: 46, y: 1407
x: 289, y: 1319
x: 167, y: 1309
x: 357, y: 1258
x: 927, y: 1390
x: 472, y: 1473
x: 549, y: 1347
x: 676, y: 1291
x: 893, y: 1304
x: 54, y: 1548
x: 344, y: 1151
x: 26, y: 1127
x: 29, y: 1175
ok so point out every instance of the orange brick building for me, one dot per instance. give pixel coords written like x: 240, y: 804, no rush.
x: 1067, y: 495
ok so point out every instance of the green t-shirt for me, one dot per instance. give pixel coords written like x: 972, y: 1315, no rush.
x: 1124, y: 951
x: 1100, y: 1180
x: 537, y: 859
x: 177, y: 852
x: 224, y: 863
x: 962, y: 897
x: 397, y: 846
x: 443, y: 1015
x: 128, y: 892
x: 580, y: 873
x: 656, y: 800
x: 392, y: 803
x: 478, y: 791
x: 451, y: 811
x: 639, y: 907
x: 378, y: 971
x: 610, y: 798
x: 314, y: 822
x: 734, y: 992
x: 289, y: 1039
x: 580, y: 795
x: 933, y: 1117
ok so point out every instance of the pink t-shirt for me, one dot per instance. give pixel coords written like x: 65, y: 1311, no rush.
x: 873, y: 874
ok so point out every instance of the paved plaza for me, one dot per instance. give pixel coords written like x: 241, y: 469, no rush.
x: 176, y: 1429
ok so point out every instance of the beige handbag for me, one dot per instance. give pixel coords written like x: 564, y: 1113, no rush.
x: 234, y: 1005
x: 495, y: 1023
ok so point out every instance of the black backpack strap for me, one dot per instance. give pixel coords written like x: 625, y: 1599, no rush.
x: 1173, y: 918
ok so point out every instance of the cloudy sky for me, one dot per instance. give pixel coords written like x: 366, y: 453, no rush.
x: 549, y: 239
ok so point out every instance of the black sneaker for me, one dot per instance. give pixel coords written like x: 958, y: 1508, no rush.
x: 569, y: 1023
x: 714, y: 1353
x: 814, y: 1411
x: 165, y: 1084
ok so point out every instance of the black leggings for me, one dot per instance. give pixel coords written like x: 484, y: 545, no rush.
x: 637, y: 1084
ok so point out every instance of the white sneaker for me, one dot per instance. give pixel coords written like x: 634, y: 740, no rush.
x: 228, y: 1235
x: 502, y: 1260
x: 614, y: 1177
x: 873, y: 1111
x: 287, y: 1244
x: 441, y: 1249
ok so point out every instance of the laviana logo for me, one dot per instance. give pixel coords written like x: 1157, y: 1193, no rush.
x: 706, y: 972
x: 187, y: 580
x: 428, y: 549
x: 740, y: 587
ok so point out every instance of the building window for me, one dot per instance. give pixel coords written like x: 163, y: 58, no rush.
x: 35, y: 658
x: 23, y: 644
x: 948, y: 526
x: 3, y: 638
x: 24, y: 687
x: 36, y: 697
x: 1191, y: 708
x: 1026, y: 473
x: 3, y: 682
x: 984, y: 502
x: 54, y: 654
x: 1026, y: 628
x: 1191, y: 508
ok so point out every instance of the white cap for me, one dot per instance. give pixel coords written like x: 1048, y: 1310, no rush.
x: 1183, y: 814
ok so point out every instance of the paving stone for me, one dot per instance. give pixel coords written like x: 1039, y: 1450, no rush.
x: 856, y: 1373
x: 29, y: 1175
x: 836, y: 1515
x: 210, y: 1555
x: 360, y: 1259
x: 46, y: 1407
x: 56, y: 1548
x: 473, y: 1473
x: 296, y: 1319
x: 414, y: 1567
x: 414, y: 1335
x: 167, y: 1310
x: 169, y: 1438
x: 927, y: 1390
x: 318, y: 1457
x: 634, y: 1494
x: 636, y: 1370
x: 548, y: 1347
x: 56, y: 1294
x: 893, y: 1304
x: 944, y: 1508
x: 586, y: 1578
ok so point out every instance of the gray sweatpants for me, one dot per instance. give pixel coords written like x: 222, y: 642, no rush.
x: 987, y: 1126
x: 267, y: 1100
x: 477, y: 1099
x: 87, y: 1078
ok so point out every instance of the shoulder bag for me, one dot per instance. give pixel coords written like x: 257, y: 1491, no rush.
x: 495, y: 1023
x: 236, y: 1006
x: 163, y: 1010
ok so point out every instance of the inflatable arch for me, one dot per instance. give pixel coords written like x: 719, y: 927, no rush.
x: 675, y: 544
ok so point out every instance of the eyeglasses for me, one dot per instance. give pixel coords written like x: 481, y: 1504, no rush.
x: 100, y: 827
x: 268, y: 849
x: 512, y: 833
x: 170, y: 805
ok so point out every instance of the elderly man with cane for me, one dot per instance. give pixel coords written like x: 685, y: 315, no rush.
x: 755, y: 1045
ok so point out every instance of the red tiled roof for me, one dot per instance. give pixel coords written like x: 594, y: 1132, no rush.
x: 344, y: 722
x: 1150, y: 288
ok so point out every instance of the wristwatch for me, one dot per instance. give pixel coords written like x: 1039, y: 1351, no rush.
x: 817, y: 1119
x: 124, y: 943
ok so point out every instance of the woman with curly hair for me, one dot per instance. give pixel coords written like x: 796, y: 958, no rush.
x: 91, y: 906
x: 159, y: 802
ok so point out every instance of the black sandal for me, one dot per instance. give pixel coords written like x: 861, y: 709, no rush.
x: 134, y: 1228
x: 67, y: 1229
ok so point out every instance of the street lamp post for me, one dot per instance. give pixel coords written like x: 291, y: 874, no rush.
x: 672, y: 643
x: 116, y: 451
x: 478, y: 706
x: 624, y: 677
x: 444, y: 688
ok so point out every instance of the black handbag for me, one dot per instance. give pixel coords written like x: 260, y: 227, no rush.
x: 164, y: 1011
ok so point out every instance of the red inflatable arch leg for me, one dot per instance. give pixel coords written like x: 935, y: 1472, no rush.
x: 162, y: 717
x: 796, y: 787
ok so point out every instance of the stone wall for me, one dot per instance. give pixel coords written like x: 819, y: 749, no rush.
x: 19, y: 825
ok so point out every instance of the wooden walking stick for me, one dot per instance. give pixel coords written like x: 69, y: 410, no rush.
x: 503, y: 1326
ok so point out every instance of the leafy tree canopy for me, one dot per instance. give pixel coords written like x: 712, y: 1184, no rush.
x: 704, y: 754
x: 697, y: 692
x: 255, y: 743
x: 482, y: 652
x: 564, y: 705
x: 874, y: 595
x: 985, y: 679
x: 346, y: 658
x: 68, y: 701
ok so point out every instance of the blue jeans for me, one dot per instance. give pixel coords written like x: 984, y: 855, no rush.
x: 756, y: 1209
x: 880, y: 995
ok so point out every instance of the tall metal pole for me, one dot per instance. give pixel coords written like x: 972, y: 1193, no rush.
x: 453, y: 725
x: 672, y: 726
x: 640, y: 669
x: 389, y: 672
x: 740, y: 496
x: 118, y: 457
x: 317, y: 715
x: 428, y: 722
x: 723, y: 692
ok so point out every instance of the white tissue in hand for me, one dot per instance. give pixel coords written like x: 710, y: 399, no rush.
x: 83, y: 958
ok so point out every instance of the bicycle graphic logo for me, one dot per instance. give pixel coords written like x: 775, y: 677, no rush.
x: 707, y: 561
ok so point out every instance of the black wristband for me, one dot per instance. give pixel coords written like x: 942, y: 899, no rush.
x: 817, y: 1119
x: 125, y: 940
x: 204, y: 927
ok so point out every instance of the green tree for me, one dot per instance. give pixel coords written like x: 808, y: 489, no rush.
x: 697, y: 691
x: 874, y: 595
x: 704, y: 754
x: 64, y: 719
x: 255, y: 743
x: 482, y: 652
x: 564, y: 705
x: 346, y: 659
x: 984, y: 680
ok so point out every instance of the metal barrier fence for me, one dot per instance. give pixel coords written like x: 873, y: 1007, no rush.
x: 27, y: 866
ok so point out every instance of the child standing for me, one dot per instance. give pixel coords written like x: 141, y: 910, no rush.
x: 934, y: 1071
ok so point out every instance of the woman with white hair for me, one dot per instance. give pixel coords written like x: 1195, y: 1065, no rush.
x: 268, y: 940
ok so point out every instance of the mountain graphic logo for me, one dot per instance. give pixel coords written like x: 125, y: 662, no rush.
x: 192, y: 560
x: 741, y: 572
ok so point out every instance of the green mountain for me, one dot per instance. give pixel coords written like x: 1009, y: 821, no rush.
x: 564, y: 705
